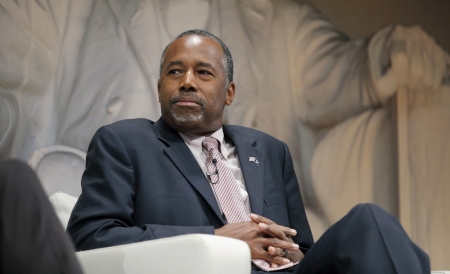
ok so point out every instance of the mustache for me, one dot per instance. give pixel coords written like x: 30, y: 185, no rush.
x: 191, y: 95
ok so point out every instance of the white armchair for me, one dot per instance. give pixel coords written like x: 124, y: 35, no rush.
x: 194, y: 253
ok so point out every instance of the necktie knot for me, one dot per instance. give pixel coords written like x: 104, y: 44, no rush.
x: 210, y: 143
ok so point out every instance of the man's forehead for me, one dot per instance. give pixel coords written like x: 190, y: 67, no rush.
x: 196, y: 43
x: 193, y: 40
x: 180, y: 63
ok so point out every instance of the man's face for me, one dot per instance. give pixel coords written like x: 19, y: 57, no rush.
x: 191, y: 87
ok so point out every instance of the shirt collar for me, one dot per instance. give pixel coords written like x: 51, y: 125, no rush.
x: 195, y: 142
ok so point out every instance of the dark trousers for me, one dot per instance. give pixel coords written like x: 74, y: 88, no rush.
x: 32, y: 240
x: 368, y: 240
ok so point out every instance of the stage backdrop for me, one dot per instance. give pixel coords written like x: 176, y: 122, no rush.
x: 69, y: 67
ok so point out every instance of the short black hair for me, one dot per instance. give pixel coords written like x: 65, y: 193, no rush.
x: 227, y: 60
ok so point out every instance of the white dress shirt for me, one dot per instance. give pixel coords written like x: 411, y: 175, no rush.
x: 229, y: 153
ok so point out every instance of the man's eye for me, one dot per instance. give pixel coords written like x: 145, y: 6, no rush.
x: 204, y: 72
x: 174, y: 71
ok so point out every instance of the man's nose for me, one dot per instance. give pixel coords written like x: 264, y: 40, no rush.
x: 188, y: 82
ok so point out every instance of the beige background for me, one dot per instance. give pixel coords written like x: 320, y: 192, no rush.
x: 72, y: 66
x: 359, y: 18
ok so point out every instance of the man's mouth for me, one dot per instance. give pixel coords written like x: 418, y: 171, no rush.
x: 184, y: 107
x: 186, y: 100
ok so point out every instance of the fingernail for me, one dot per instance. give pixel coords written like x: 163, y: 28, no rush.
x: 295, y: 245
x: 294, y: 232
x: 263, y: 226
x: 286, y: 261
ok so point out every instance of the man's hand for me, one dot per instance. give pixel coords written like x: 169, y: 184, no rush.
x: 260, y: 241
x: 416, y: 58
x: 280, y: 232
x: 417, y: 62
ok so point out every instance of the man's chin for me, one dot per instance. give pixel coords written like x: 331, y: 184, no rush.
x: 186, y: 116
x: 187, y: 119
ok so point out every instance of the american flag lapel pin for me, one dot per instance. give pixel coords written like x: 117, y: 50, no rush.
x: 254, y: 160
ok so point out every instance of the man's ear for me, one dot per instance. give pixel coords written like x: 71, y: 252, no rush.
x: 230, y: 94
x: 159, y: 88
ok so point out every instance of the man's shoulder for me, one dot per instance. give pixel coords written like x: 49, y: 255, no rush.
x: 131, y: 123
x: 128, y: 127
x: 243, y: 132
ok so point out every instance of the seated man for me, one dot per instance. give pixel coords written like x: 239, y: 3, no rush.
x: 189, y: 173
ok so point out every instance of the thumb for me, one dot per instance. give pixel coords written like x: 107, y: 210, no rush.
x: 397, y: 75
x: 400, y: 63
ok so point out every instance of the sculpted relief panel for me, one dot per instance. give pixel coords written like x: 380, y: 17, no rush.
x: 73, y: 66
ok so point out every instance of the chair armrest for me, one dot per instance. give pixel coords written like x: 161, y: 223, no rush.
x: 193, y: 253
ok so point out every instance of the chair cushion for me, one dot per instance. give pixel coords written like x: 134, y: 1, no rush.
x: 191, y: 253
x: 63, y: 205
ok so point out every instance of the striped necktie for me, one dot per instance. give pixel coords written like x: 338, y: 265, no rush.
x: 227, y: 192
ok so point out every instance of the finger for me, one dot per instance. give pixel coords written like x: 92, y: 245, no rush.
x: 278, y: 231
x: 288, y: 231
x: 261, y: 253
x: 275, y: 259
x: 265, y: 255
x: 294, y: 256
x: 274, y: 251
x: 436, y: 65
x: 400, y: 63
x: 277, y: 243
x: 416, y: 68
x: 274, y: 231
x: 260, y: 219
x: 273, y: 265
x: 429, y: 67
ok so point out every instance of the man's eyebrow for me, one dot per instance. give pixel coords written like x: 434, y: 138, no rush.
x: 180, y: 63
x: 173, y: 63
x: 203, y: 64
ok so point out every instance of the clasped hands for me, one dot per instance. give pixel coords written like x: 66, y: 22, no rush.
x: 267, y: 240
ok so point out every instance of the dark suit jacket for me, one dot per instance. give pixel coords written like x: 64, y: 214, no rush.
x: 142, y: 182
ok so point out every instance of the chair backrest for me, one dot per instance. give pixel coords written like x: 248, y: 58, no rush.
x: 63, y: 205
x: 59, y: 168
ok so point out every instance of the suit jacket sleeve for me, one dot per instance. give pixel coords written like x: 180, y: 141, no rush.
x: 295, y: 207
x: 103, y: 215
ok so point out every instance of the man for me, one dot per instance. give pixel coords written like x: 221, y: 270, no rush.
x: 298, y: 76
x: 147, y: 180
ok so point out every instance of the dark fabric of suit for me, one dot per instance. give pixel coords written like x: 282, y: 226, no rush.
x: 142, y: 182
x: 32, y: 240
x: 367, y: 240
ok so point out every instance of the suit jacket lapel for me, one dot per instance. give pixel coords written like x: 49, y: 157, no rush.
x: 181, y: 156
x: 246, y: 147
